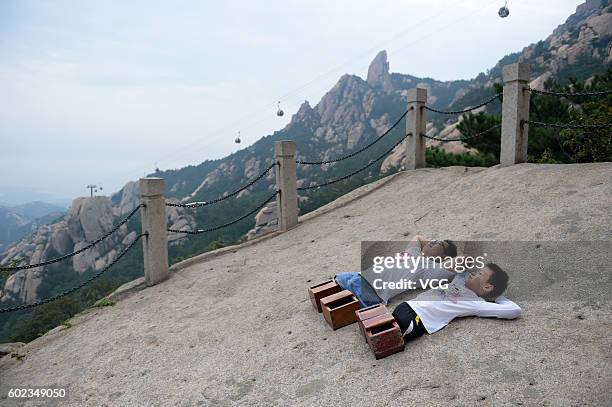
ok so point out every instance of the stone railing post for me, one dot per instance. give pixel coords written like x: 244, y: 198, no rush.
x: 155, y: 244
x: 515, y: 110
x: 416, y: 121
x: 286, y: 182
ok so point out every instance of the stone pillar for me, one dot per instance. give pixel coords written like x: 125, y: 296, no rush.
x: 155, y: 245
x: 416, y: 121
x: 286, y: 182
x: 515, y: 110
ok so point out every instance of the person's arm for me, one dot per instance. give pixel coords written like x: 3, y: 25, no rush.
x: 420, y: 240
x: 501, y: 308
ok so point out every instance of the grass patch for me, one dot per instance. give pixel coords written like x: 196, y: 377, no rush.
x: 105, y: 302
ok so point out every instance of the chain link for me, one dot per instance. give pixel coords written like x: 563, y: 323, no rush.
x: 73, y: 289
x: 486, y: 102
x: 357, y: 171
x: 200, y: 204
x: 569, y: 94
x: 199, y: 231
x: 471, y: 136
x: 567, y: 126
x: 67, y: 256
x: 354, y: 153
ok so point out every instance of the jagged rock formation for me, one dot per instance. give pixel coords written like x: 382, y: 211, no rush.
x: 86, y: 220
x: 129, y: 198
x: 21, y: 220
x: 355, y: 111
x: 378, y: 72
x: 586, y: 34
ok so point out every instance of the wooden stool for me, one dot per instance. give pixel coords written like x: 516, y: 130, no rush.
x: 383, y: 335
x: 319, y: 291
x: 367, y: 313
x: 339, y: 309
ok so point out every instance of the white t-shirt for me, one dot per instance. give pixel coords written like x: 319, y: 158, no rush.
x: 438, y: 307
x: 422, y: 272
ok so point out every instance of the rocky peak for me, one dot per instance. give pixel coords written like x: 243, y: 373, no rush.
x: 89, y: 218
x: 378, y: 72
x: 305, y: 115
x: 585, y: 10
x: 129, y: 198
x: 304, y: 110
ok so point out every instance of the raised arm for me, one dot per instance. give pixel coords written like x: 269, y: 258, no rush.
x: 501, y: 308
x: 420, y: 240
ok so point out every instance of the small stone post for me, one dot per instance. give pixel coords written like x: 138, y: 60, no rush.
x: 286, y: 182
x: 155, y: 245
x: 416, y: 121
x: 515, y: 110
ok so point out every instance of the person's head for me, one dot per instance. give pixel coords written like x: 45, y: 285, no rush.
x: 440, y: 248
x: 488, y: 282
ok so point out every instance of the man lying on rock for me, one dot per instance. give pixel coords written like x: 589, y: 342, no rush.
x: 366, y: 286
x: 475, y: 293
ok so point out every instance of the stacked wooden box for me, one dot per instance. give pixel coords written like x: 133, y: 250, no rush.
x: 337, y: 305
x: 341, y: 308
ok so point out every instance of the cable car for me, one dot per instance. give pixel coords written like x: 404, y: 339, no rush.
x: 237, y: 140
x: 503, y: 11
x: 279, y: 112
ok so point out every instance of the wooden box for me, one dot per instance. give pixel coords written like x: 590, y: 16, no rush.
x: 319, y: 291
x: 369, y: 312
x: 339, y: 309
x: 383, y: 335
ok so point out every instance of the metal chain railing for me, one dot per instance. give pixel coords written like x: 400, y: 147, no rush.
x: 471, y: 136
x: 73, y: 289
x: 354, y: 153
x: 486, y: 102
x: 357, y: 171
x: 67, y: 256
x: 571, y: 94
x: 567, y: 125
x: 200, y: 204
x: 199, y: 231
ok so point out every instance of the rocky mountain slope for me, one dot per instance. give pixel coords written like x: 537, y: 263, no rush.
x: 350, y: 115
x: 21, y: 220
x: 86, y: 220
x: 238, y: 328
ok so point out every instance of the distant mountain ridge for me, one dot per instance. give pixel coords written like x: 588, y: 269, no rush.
x: 348, y: 116
x: 355, y: 110
x: 21, y: 220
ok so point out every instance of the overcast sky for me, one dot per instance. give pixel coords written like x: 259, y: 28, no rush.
x: 101, y: 91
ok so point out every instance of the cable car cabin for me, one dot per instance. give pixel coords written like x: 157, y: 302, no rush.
x: 503, y: 12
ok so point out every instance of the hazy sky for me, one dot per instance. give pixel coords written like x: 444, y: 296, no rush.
x: 99, y: 91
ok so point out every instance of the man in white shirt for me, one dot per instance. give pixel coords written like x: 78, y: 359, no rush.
x: 363, y: 286
x: 477, y: 293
